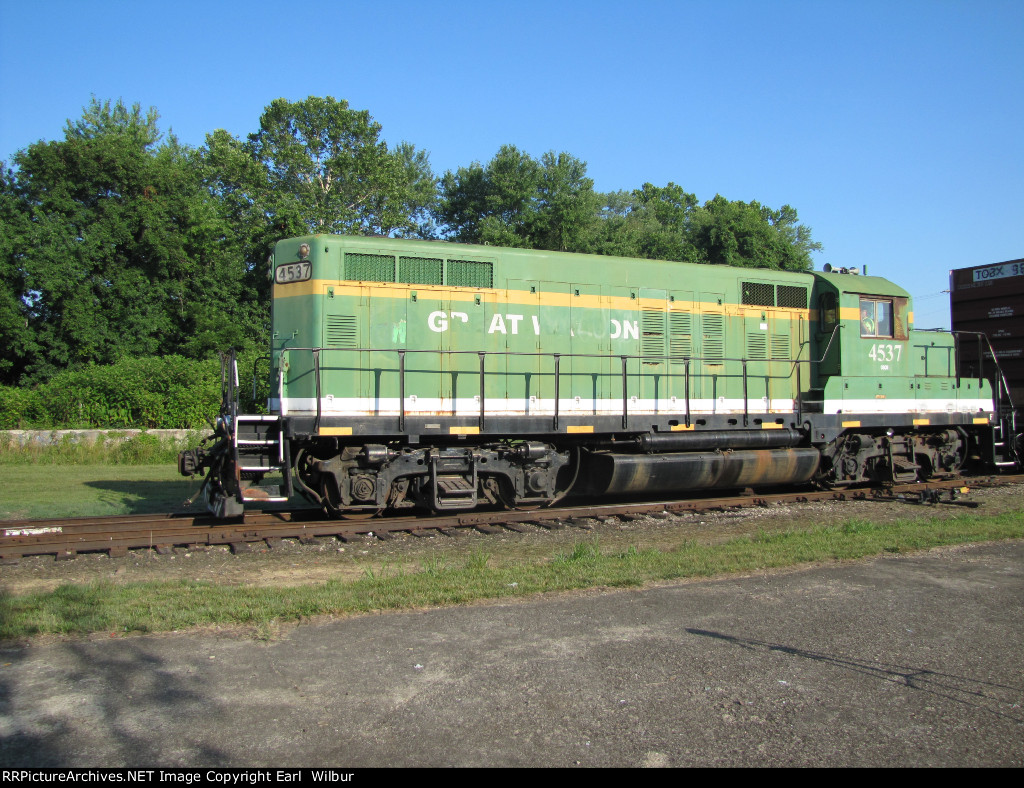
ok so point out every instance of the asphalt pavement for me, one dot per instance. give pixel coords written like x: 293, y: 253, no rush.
x: 896, y: 661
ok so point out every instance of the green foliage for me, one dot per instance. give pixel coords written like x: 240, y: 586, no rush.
x: 477, y: 561
x: 667, y: 223
x: 582, y: 553
x: 111, y: 448
x: 115, y: 247
x: 651, y: 222
x: 753, y: 235
x: 21, y: 408
x: 18, y: 343
x: 167, y: 392
x: 327, y: 166
x: 518, y: 201
x: 314, y: 166
x: 119, y: 242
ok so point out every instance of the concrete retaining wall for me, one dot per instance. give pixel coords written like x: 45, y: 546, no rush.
x: 86, y: 437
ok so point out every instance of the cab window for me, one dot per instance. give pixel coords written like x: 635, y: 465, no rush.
x: 827, y: 313
x: 875, y: 318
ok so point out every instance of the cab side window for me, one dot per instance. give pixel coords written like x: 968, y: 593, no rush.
x: 875, y: 318
x: 828, y: 314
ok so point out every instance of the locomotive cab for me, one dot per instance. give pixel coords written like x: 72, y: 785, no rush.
x: 863, y: 330
x: 892, y: 409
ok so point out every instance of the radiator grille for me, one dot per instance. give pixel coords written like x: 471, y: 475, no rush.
x: 370, y: 267
x: 467, y: 273
x: 758, y: 294
x: 420, y: 270
x: 792, y: 297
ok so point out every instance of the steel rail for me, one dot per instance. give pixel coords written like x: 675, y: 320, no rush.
x: 65, y: 538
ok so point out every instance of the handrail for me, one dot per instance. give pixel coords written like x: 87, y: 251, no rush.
x: 482, y: 355
x: 641, y: 357
x: 824, y: 355
x: 1001, y: 381
x: 625, y: 392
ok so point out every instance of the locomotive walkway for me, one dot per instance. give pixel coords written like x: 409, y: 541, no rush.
x: 899, y: 661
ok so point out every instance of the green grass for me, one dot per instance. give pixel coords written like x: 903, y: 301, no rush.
x: 161, y: 606
x: 45, y: 491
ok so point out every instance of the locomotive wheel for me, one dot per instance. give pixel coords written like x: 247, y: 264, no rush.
x: 506, y: 496
x: 334, y: 508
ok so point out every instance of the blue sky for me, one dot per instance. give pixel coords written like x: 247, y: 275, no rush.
x: 896, y: 129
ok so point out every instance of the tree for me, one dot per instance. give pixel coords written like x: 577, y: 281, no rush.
x: 668, y: 223
x: 753, y: 235
x: 519, y: 201
x: 652, y: 222
x: 314, y: 166
x: 17, y: 346
x: 120, y: 248
x: 327, y: 168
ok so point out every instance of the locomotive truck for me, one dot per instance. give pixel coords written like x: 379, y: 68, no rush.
x: 448, y: 376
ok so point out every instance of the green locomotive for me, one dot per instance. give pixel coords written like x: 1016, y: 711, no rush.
x: 445, y: 376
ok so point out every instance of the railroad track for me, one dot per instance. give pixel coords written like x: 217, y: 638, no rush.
x: 65, y: 538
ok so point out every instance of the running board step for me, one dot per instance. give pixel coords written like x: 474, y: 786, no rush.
x: 455, y: 486
x: 263, y: 495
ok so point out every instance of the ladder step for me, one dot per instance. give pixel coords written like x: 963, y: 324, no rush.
x: 255, y: 468
x: 1005, y: 464
x: 257, y: 418
x: 268, y: 500
x: 246, y: 442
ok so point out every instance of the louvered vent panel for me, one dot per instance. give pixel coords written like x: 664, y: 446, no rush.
x: 780, y: 346
x: 713, y: 337
x: 756, y: 345
x: 792, y: 297
x: 342, y: 331
x: 680, y: 334
x: 370, y: 267
x: 652, y: 334
x: 420, y: 270
x: 466, y: 273
x: 758, y: 294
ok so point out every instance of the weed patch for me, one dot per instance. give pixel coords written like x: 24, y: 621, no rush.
x: 179, y: 604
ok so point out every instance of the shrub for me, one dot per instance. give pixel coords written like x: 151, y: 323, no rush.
x: 166, y: 392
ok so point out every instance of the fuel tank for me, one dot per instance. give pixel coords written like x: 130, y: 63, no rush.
x: 681, y: 471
